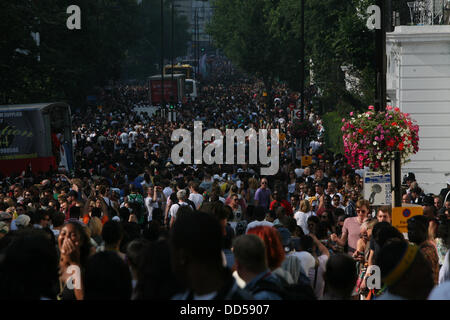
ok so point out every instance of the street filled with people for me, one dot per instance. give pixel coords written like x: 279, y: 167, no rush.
x: 128, y: 223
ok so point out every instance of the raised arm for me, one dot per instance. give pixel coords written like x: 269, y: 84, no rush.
x: 323, y: 250
x: 340, y: 241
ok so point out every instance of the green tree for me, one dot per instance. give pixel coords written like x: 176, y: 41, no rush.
x: 241, y: 29
x: 263, y: 38
x: 69, y: 64
x: 145, y: 54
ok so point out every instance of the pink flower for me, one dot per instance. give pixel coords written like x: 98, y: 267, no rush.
x: 371, y: 108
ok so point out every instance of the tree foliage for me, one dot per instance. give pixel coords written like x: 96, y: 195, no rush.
x: 145, y: 54
x: 263, y: 38
x: 114, y: 35
x: 241, y: 29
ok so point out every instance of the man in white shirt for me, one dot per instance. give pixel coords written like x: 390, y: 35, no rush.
x: 152, y: 201
x: 132, y: 138
x: 194, y: 196
x: 181, y: 196
x: 124, y: 138
x: 331, y: 190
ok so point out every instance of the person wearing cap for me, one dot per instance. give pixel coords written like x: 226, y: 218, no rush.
x: 408, y: 180
x: 404, y: 271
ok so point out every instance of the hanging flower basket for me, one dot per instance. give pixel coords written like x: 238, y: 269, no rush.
x: 371, y: 138
x: 303, y: 129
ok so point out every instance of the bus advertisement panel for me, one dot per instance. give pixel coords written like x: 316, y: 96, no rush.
x: 21, y: 134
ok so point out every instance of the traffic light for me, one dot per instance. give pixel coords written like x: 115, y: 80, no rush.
x: 171, y: 107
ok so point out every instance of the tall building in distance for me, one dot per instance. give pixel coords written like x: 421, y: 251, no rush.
x: 199, y: 14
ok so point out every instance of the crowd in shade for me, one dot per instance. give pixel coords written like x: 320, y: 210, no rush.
x: 130, y: 224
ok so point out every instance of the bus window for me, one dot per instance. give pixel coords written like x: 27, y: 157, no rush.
x: 187, y: 70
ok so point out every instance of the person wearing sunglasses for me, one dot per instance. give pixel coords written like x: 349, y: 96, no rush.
x: 262, y: 195
x: 238, y: 211
x: 336, y: 202
x: 352, y: 226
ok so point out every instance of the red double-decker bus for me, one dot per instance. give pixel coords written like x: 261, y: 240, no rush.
x: 36, y: 136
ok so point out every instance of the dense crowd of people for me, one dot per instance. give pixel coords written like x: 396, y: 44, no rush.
x: 128, y: 223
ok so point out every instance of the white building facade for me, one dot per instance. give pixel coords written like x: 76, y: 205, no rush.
x: 418, y: 82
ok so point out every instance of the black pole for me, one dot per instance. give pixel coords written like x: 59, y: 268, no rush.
x: 163, y: 104
x: 302, y: 69
x: 380, y: 49
x: 172, y: 49
x: 197, y: 39
x: 397, y: 178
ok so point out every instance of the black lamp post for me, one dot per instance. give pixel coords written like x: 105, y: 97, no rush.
x: 302, y: 81
x: 172, y: 49
x: 302, y: 67
x: 380, y: 49
x: 163, y: 104
x: 196, y: 37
